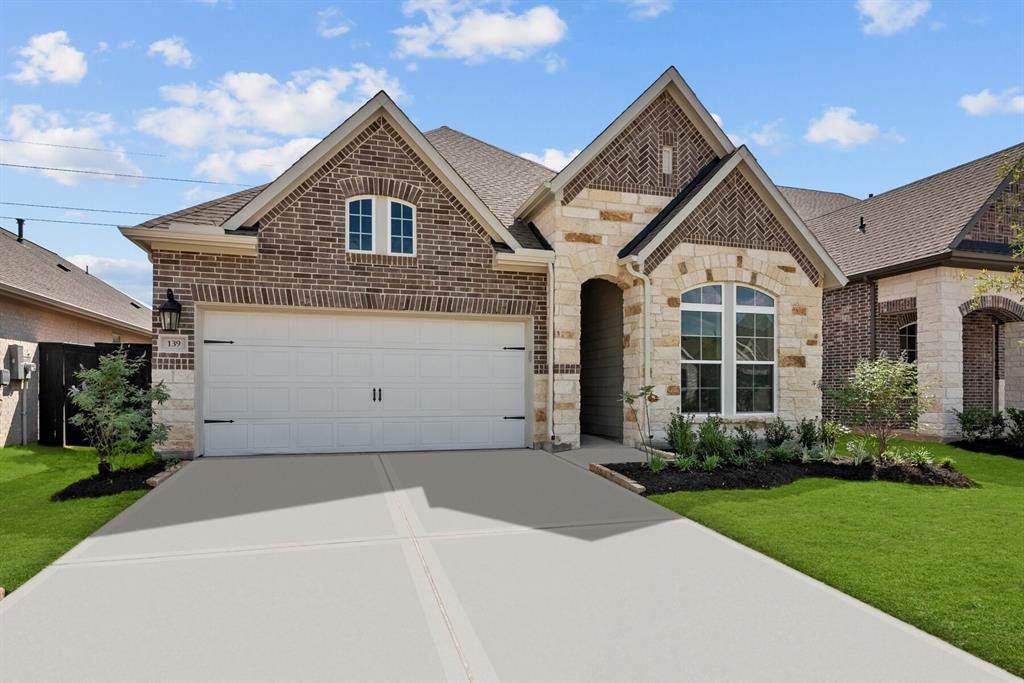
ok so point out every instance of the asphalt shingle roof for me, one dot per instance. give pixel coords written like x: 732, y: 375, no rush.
x: 914, y: 221
x: 28, y: 267
x: 810, y: 204
x: 501, y: 179
x: 213, y: 212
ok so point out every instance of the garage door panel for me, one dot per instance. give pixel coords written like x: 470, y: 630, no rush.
x: 298, y: 383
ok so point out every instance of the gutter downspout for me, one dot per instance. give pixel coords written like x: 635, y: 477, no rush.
x: 631, y: 267
x: 551, y: 355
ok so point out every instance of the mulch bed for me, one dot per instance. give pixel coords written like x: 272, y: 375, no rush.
x: 991, y: 447
x: 780, y: 473
x: 131, y: 479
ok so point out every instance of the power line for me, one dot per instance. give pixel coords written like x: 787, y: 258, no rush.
x: 88, y: 149
x: 123, y: 175
x: 54, y: 220
x: 81, y: 208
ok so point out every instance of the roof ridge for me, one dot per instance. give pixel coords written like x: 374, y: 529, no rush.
x: 936, y: 174
x: 492, y: 146
x: 811, y: 189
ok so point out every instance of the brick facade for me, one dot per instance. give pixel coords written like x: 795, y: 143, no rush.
x: 302, y: 260
x: 1004, y: 211
x: 734, y: 215
x: 632, y: 162
x: 846, y: 337
x: 980, y: 359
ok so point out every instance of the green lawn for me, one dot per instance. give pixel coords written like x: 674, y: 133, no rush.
x: 35, y: 531
x: 949, y: 561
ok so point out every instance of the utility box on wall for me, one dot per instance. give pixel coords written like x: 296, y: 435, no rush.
x: 21, y: 369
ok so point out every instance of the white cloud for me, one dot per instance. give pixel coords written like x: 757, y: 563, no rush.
x: 173, y: 51
x: 459, y: 29
x: 837, y: 125
x: 248, y: 108
x: 648, y: 9
x: 102, y: 46
x: 133, y: 277
x: 50, y: 57
x: 717, y: 118
x: 985, y: 103
x: 886, y: 17
x: 269, y: 162
x: 553, y: 63
x: 331, y: 23
x: 555, y: 159
x: 32, y: 123
x: 767, y: 135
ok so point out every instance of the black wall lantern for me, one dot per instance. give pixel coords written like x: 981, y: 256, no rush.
x: 170, y: 313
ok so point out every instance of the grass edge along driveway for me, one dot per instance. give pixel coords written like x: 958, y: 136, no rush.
x: 34, y: 531
x: 949, y: 561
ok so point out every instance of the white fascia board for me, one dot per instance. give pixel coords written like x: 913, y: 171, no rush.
x: 326, y: 148
x: 528, y: 260
x: 834, y: 276
x: 71, y: 309
x: 669, y: 79
x: 688, y: 208
x: 150, y: 239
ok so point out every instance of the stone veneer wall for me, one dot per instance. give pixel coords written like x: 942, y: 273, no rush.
x: 302, y: 263
x: 27, y: 325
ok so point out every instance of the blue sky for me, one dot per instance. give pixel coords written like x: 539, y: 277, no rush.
x: 852, y: 96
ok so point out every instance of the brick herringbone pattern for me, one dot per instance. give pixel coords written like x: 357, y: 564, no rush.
x: 632, y: 161
x: 733, y: 215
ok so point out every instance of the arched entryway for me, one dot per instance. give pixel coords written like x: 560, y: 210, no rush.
x: 992, y: 331
x: 601, y: 371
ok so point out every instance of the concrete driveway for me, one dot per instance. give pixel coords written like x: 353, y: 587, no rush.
x: 480, y: 566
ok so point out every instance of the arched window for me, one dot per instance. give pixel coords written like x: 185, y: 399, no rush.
x: 380, y: 225
x: 908, y: 342
x: 728, y: 350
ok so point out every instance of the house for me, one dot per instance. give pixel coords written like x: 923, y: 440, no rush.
x: 45, y: 298
x: 401, y: 290
x: 913, y: 256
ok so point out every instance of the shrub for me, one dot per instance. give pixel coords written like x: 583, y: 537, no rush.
x: 656, y: 463
x: 712, y: 441
x: 788, y: 451
x: 1015, y: 432
x: 761, y: 457
x: 946, y: 462
x: 980, y: 423
x: 680, y: 434
x: 807, y: 432
x: 777, y: 454
x: 744, y: 441
x: 914, y: 456
x: 777, y: 432
x: 686, y: 463
x: 115, y: 415
x: 860, y: 451
x: 712, y: 463
x: 829, y: 434
x: 881, y: 396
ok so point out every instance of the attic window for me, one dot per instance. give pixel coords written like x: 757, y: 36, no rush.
x: 63, y: 267
x: 666, y: 159
x: 380, y: 225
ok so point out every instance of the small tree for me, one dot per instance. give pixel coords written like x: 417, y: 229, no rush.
x: 881, y: 396
x: 643, y: 425
x: 116, y: 415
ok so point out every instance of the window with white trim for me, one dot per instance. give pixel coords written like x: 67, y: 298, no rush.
x: 727, y: 350
x: 402, y: 229
x: 360, y: 224
x: 908, y: 341
x: 380, y: 225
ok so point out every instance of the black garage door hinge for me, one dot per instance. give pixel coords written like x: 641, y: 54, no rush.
x: 515, y: 417
x: 513, y: 348
x: 217, y: 422
x: 217, y: 341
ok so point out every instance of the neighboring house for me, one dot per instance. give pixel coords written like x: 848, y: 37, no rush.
x: 45, y: 298
x: 395, y: 290
x: 913, y: 255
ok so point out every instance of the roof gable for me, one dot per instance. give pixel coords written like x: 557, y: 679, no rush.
x: 309, y: 163
x: 760, y: 217
x: 670, y: 84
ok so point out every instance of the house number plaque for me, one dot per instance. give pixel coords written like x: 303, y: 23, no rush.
x: 172, y: 343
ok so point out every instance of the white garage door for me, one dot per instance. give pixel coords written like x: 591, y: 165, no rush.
x: 308, y: 383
